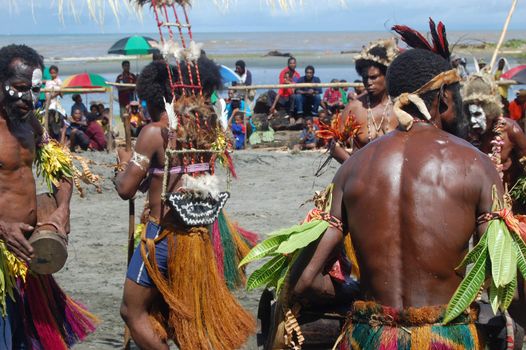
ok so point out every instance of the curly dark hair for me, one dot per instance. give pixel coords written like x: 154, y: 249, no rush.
x: 363, y: 65
x: 414, y: 68
x: 153, y: 83
x: 11, y: 52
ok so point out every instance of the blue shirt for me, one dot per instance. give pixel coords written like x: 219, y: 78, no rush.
x: 315, y: 80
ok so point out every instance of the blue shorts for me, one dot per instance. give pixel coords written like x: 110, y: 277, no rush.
x: 136, y: 270
x: 12, y: 335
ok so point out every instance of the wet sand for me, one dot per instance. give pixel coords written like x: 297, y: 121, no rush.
x: 270, y: 188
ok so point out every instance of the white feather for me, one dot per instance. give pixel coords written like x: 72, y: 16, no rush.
x: 202, y: 186
x: 172, y: 118
x: 193, y: 52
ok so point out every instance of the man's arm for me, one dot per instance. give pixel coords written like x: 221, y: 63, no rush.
x: 313, y: 280
x: 137, y: 162
x: 488, y: 182
x: 62, y: 194
x: 517, y: 137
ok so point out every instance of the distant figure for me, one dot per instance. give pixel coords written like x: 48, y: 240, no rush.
x: 459, y: 64
x: 78, y: 105
x: 126, y: 94
x: 54, y: 97
x: 237, y: 126
x: 288, y: 76
x: 308, y: 99
x: 137, y: 120
x: 516, y: 107
x: 344, y: 91
x: 503, y: 89
x: 94, y: 108
x: 358, y: 90
x: 308, y: 139
x: 244, y: 73
x: 332, y: 99
x: 95, y: 133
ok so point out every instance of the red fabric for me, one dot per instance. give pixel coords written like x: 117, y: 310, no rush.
x: 125, y: 93
x: 516, y: 110
x: 287, y: 92
x: 332, y: 96
x: 95, y: 132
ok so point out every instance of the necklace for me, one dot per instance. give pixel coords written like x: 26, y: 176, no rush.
x: 370, y: 118
x: 496, y: 145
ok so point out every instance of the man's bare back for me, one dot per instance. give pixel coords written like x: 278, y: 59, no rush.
x: 404, y: 174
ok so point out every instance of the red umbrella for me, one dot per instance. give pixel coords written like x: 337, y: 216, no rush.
x: 84, y: 80
x: 517, y: 73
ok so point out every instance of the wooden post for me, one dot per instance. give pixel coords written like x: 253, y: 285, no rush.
x: 245, y: 117
x: 109, y: 136
x: 502, y: 35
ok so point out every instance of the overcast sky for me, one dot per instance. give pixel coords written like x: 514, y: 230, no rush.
x: 254, y: 15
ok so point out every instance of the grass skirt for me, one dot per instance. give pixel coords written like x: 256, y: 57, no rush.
x: 197, y: 310
x: 372, y: 326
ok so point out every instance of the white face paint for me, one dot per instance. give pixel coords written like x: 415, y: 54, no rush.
x: 477, y: 117
x: 36, y: 83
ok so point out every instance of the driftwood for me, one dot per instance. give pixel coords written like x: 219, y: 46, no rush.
x: 276, y: 53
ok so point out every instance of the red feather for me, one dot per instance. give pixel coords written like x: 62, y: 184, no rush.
x: 443, y: 39
x: 412, y: 38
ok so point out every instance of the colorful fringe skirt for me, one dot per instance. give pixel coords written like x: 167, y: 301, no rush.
x: 197, y: 310
x: 371, y: 326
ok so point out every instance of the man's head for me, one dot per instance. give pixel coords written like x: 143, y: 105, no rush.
x: 93, y: 108
x: 77, y: 115
x: 291, y: 63
x: 501, y: 64
x: 308, y: 124
x: 125, y: 66
x: 309, y: 72
x: 521, y: 96
x: 134, y: 106
x: 238, y: 117
x: 153, y: 84
x: 455, y: 61
x: 335, y: 81
x: 240, y: 67
x: 20, y: 80
x: 76, y: 98
x: 412, y: 70
x: 53, y: 71
x: 481, y: 105
x: 372, y: 62
x: 359, y: 89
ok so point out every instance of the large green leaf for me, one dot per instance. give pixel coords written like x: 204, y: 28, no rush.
x: 502, y: 254
x: 263, y: 249
x: 268, y: 272
x: 294, y: 229
x: 302, y: 239
x: 493, y: 296
x: 474, y: 253
x: 468, y: 289
x: 520, y: 249
x: 507, y: 293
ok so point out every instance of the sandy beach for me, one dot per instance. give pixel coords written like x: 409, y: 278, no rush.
x: 267, y: 195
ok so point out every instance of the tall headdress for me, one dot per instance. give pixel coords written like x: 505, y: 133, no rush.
x: 439, y: 46
x: 381, y: 51
x: 481, y: 89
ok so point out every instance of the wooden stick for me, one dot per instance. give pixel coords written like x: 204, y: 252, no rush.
x: 83, y: 90
x: 271, y: 86
x: 502, y: 35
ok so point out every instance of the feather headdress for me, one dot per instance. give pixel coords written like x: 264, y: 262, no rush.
x: 416, y: 40
x: 381, y: 51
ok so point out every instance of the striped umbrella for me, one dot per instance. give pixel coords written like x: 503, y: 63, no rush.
x: 84, y: 80
x: 134, y: 45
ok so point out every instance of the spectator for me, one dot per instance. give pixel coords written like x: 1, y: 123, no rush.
x: 136, y: 118
x: 54, y: 97
x: 126, y: 94
x: 237, y: 125
x: 344, y: 92
x: 79, y: 105
x: 516, y: 107
x: 288, y: 76
x: 234, y: 102
x: 332, y: 99
x: 100, y: 109
x: 358, y: 91
x: 503, y: 89
x: 308, y: 98
x: 308, y: 137
x: 76, y: 132
x: 94, y: 108
x: 457, y: 63
x: 244, y: 73
x: 95, y: 134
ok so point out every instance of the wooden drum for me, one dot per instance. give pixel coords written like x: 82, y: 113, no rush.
x: 49, y: 245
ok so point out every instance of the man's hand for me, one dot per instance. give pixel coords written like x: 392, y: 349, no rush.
x: 13, y: 236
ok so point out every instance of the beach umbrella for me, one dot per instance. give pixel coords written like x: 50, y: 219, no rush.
x: 228, y: 75
x: 134, y: 45
x: 84, y: 80
x: 517, y: 73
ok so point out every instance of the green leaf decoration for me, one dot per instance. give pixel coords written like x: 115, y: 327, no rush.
x: 263, y: 249
x: 474, y: 253
x: 302, y: 239
x: 520, y: 250
x: 493, y: 295
x: 501, y: 252
x: 267, y: 273
x: 294, y: 229
x: 506, y: 294
x: 468, y: 289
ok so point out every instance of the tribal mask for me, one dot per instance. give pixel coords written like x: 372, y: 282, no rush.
x: 477, y: 118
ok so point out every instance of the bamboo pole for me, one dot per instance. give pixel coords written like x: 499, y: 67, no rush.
x: 502, y: 35
x: 81, y: 90
x: 271, y: 86
x: 109, y: 137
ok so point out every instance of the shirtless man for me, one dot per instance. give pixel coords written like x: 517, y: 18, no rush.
x: 20, y: 132
x: 409, y: 212
x: 373, y: 110
x: 483, y: 108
